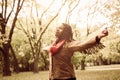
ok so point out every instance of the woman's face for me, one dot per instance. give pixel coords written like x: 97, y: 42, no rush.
x: 59, y: 31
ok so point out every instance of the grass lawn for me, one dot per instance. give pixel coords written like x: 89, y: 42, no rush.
x: 92, y: 73
x: 98, y: 75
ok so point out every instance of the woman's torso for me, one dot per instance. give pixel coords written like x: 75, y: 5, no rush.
x: 61, y: 66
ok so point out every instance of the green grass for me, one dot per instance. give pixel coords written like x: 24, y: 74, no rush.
x: 28, y: 76
x: 81, y: 75
x: 91, y: 73
x: 98, y: 75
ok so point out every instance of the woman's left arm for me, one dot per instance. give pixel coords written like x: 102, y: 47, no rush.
x: 81, y: 46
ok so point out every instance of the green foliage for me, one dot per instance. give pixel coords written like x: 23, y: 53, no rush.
x: 115, y: 58
x: 44, y: 61
x: 91, y: 58
x: 48, y: 39
x: 115, y: 45
x: 22, y: 50
x: 20, y: 43
x: 112, y: 50
x: 77, y: 58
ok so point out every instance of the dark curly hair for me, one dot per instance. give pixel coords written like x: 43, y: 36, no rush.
x: 67, y: 32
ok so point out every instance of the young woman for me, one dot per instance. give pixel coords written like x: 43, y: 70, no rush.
x: 62, y: 49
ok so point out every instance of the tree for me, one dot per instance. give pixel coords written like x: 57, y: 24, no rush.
x: 5, y: 16
x: 36, y: 29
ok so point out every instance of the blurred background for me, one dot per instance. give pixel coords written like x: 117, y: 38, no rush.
x: 27, y: 26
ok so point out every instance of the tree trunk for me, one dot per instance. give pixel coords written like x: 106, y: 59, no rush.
x: 5, y: 50
x: 82, y: 64
x: 100, y: 60
x: 1, y: 63
x: 109, y: 61
x: 6, y: 65
x: 36, y: 60
x: 45, y: 61
x: 16, y: 68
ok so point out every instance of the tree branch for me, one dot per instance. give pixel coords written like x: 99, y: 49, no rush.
x: 28, y: 36
x: 50, y: 22
x: 45, y: 11
x: 10, y: 12
x: 15, y: 19
x: 5, y: 9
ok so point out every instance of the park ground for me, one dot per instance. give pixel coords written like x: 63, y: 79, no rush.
x: 106, y: 72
